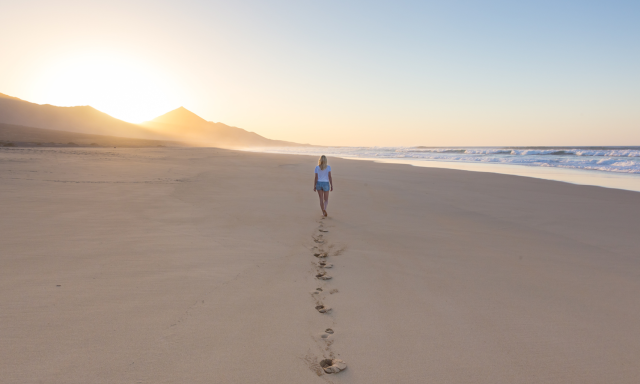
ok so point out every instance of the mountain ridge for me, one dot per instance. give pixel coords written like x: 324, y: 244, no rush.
x: 79, y: 119
x: 178, y: 115
x: 179, y: 124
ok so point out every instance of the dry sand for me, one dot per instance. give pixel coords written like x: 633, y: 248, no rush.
x: 192, y: 265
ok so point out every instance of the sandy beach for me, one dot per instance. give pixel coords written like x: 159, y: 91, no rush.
x: 196, y: 265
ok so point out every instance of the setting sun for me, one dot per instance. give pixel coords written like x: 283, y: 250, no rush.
x: 122, y: 87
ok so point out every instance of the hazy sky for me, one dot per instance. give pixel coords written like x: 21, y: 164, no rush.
x: 341, y: 72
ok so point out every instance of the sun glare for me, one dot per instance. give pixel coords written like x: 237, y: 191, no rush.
x: 124, y: 88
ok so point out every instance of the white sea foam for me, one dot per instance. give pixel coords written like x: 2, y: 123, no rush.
x: 604, y: 159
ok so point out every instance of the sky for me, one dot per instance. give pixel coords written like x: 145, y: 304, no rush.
x: 358, y: 73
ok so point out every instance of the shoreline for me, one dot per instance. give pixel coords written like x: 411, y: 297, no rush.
x: 614, y: 180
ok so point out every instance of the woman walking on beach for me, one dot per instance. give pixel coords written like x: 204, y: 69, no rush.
x: 323, y: 183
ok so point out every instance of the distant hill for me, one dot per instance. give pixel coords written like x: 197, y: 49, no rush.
x: 83, y: 119
x: 3, y: 96
x: 182, y: 124
x: 178, y: 125
x: 20, y: 136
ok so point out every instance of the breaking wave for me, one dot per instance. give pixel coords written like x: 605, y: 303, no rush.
x: 604, y: 159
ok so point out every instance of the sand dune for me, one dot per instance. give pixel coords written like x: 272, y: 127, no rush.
x: 198, y: 265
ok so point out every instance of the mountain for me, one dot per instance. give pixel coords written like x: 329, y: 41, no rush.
x: 20, y: 136
x: 178, y: 125
x: 182, y: 124
x: 83, y: 119
x: 180, y: 116
x: 3, y: 96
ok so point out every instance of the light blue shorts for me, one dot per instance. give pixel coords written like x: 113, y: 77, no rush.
x: 323, y: 186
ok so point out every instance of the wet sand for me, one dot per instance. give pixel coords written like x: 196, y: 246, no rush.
x: 198, y: 265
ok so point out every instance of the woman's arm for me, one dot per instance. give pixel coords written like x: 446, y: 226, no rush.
x: 330, y: 180
x: 315, y: 181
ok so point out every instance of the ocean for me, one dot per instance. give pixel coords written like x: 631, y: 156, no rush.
x: 604, y: 159
x: 614, y: 167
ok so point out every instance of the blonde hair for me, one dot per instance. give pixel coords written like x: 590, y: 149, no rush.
x: 322, y: 162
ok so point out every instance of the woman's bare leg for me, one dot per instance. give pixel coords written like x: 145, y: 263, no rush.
x: 326, y: 199
x: 320, y: 193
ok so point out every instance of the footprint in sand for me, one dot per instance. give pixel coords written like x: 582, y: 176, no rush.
x: 328, y: 332
x: 330, y: 365
x: 323, y: 276
x: 322, y: 309
x: 333, y: 365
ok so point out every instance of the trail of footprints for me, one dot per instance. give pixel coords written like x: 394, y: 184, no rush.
x: 331, y: 364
